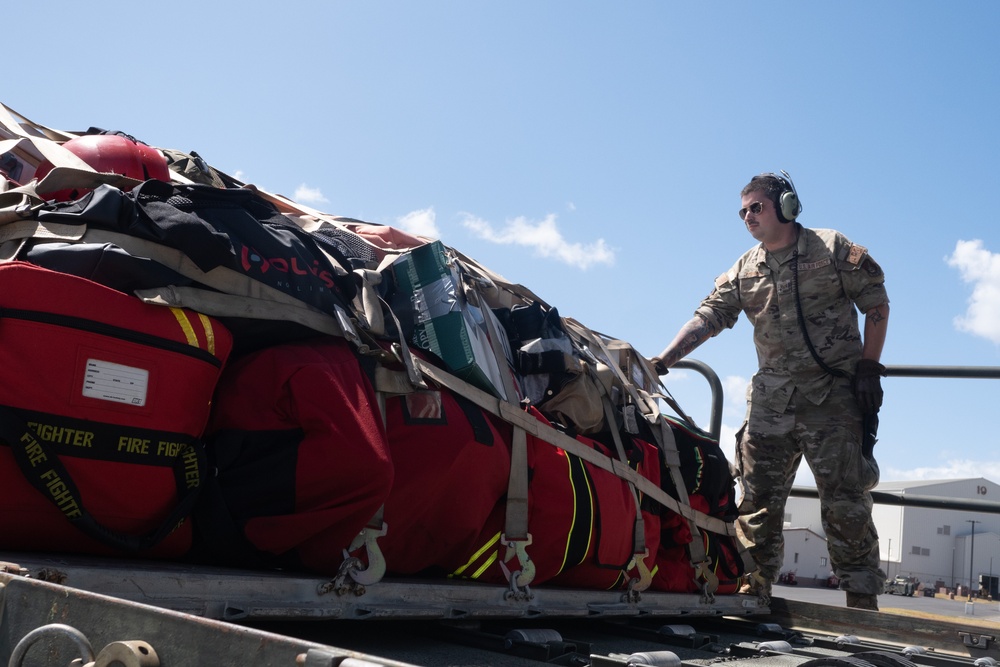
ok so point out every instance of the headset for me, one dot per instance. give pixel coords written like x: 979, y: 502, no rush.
x: 789, y: 206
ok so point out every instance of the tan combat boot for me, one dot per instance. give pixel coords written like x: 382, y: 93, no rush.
x: 754, y: 584
x: 862, y: 601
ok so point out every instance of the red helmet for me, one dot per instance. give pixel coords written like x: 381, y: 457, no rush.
x: 154, y: 165
x: 113, y: 153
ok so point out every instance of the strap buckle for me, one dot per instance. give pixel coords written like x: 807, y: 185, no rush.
x: 353, y: 575
x: 706, y: 580
x: 518, y: 579
x: 368, y: 538
x: 638, y: 584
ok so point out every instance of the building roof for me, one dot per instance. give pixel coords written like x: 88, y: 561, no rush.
x: 898, y: 486
x: 913, y: 484
x: 906, y: 485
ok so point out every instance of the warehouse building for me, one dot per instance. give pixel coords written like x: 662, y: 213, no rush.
x: 940, y: 546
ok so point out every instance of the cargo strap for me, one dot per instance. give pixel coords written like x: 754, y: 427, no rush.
x: 500, y: 291
x: 240, y: 295
x: 645, y: 401
x: 515, y: 535
x: 228, y: 305
x: 8, y: 119
x: 704, y: 576
x: 386, y: 383
x: 402, y: 348
x: 368, y: 302
x: 507, y: 380
x: 506, y: 294
x: 18, y: 222
x: 639, y: 550
x: 24, y: 201
x: 49, y: 151
x: 68, y: 177
x: 45, y: 471
x: 516, y: 416
x: 374, y: 529
x: 646, y: 405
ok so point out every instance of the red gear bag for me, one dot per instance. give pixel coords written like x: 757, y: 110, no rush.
x: 102, y: 407
x: 300, y: 456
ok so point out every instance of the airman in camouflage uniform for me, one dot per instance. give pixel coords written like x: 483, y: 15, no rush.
x: 803, y: 402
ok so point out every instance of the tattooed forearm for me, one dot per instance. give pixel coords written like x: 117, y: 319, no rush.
x: 691, y: 335
x: 876, y: 327
x: 877, y: 315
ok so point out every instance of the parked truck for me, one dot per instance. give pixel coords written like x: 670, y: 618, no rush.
x: 901, y: 585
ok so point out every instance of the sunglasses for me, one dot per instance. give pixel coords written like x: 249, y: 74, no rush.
x: 754, y: 208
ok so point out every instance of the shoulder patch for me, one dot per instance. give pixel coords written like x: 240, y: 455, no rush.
x: 873, y: 269
x: 855, y: 254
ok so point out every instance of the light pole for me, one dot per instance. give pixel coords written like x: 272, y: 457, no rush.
x: 972, y: 551
x: 888, y: 559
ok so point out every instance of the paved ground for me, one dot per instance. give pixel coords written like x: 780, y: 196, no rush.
x: 981, y: 610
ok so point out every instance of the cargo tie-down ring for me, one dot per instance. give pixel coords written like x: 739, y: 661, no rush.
x: 135, y: 653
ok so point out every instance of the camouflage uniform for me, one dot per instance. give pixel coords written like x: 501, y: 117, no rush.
x: 794, y: 407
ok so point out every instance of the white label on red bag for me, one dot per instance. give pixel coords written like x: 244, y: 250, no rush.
x: 108, y: 381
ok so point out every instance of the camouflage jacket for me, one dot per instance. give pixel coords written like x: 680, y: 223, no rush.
x: 834, y: 277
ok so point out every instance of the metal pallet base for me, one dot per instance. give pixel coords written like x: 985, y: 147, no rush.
x: 243, y: 595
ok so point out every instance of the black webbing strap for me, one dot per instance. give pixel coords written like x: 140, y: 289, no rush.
x: 45, y: 471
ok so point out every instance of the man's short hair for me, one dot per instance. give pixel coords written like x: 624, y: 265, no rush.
x: 771, y: 185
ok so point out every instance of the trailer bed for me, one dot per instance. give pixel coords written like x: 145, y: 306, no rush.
x: 150, y: 613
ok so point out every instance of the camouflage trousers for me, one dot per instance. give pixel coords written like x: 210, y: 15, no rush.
x: 770, y: 447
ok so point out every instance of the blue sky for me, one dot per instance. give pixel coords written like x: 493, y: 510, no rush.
x: 594, y: 152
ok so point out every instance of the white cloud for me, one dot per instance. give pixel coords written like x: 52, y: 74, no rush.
x: 734, y: 408
x: 981, y: 268
x: 420, y: 223
x: 734, y: 388
x: 309, y: 195
x: 545, y: 239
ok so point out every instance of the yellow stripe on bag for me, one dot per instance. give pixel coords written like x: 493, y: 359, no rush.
x: 182, y: 319
x: 492, y: 541
x: 581, y: 529
x: 206, y: 324
x: 492, y: 559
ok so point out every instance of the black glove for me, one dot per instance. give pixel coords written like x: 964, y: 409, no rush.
x: 868, y: 386
x: 658, y: 366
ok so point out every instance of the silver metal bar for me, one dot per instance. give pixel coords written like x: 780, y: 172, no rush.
x: 981, y: 372
x: 908, y: 500
x: 715, y: 418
